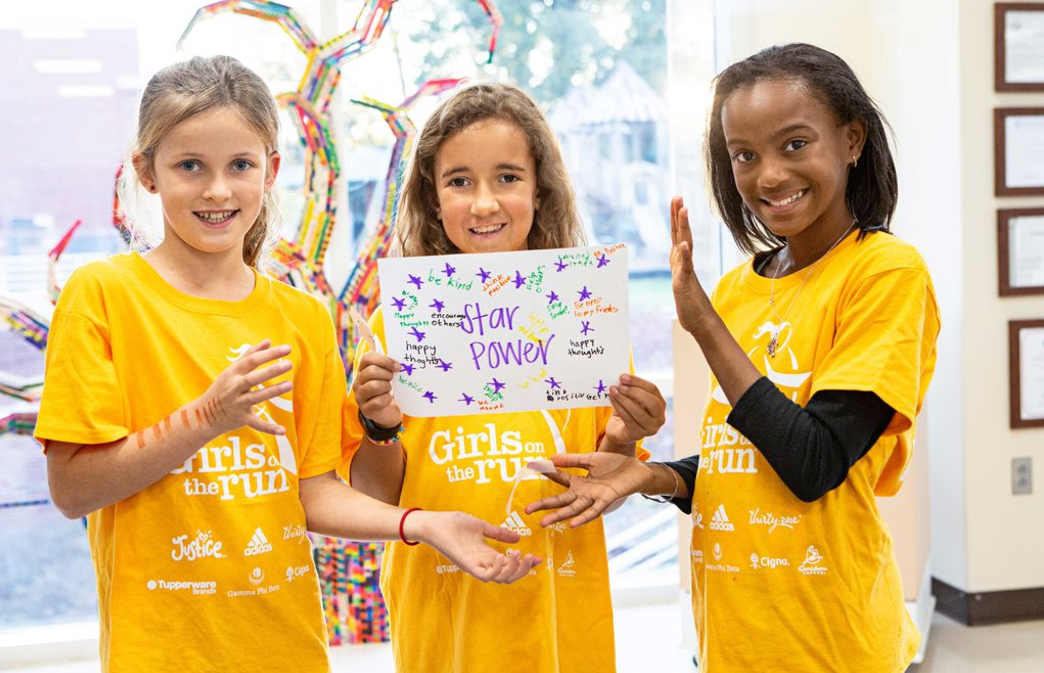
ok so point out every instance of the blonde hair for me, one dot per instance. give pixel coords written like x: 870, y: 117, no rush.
x: 182, y: 91
x: 556, y: 224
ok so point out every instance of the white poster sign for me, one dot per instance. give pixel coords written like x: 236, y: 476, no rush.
x: 511, y: 331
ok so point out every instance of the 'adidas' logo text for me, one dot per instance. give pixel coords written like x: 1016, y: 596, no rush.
x: 258, y: 544
x: 515, y: 523
x: 720, y: 520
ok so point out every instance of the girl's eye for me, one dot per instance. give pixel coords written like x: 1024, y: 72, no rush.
x: 189, y: 165
x: 743, y: 157
x: 510, y: 178
x: 241, y: 165
x: 458, y: 182
x: 796, y: 144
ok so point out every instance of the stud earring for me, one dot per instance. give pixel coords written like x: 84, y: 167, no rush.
x: 855, y: 161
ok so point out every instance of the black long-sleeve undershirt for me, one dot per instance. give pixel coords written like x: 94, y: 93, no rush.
x: 811, y: 449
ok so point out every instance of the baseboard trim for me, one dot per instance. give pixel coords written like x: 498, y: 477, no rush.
x: 988, y: 607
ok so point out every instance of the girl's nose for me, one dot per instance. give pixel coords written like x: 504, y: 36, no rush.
x: 485, y: 203
x: 772, y: 173
x: 217, y: 189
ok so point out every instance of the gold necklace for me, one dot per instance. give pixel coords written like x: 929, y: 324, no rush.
x: 773, y: 344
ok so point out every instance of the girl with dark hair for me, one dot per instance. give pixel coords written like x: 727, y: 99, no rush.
x: 821, y: 347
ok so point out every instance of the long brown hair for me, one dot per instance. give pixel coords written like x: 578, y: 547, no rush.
x: 555, y: 224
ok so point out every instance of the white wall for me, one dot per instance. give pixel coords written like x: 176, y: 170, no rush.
x: 1005, y: 549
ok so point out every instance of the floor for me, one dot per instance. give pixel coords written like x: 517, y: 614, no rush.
x: 654, y: 635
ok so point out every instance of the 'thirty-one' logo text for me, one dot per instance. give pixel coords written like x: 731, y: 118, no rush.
x: 772, y: 521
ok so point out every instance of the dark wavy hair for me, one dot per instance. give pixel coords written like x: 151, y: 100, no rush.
x: 873, y: 187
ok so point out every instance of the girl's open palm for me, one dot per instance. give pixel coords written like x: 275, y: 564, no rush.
x: 462, y: 539
x: 229, y: 402
x: 610, y: 477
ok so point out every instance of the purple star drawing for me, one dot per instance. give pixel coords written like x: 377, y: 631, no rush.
x: 552, y: 298
x: 483, y: 274
x: 449, y: 270
x: 430, y: 396
x: 445, y: 366
x: 600, y: 387
x: 553, y: 383
x: 399, y: 303
x: 408, y: 368
x: 415, y: 280
x: 497, y: 385
x: 586, y: 327
x: 466, y: 399
x: 417, y: 334
x: 520, y: 280
x: 584, y: 293
x: 560, y: 265
x: 603, y: 261
x: 437, y: 305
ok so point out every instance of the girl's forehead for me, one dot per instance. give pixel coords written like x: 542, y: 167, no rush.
x: 488, y: 126
x: 222, y: 129
x: 485, y: 139
x: 771, y: 104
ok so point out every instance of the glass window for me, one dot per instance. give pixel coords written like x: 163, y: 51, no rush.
x: 599, y: 68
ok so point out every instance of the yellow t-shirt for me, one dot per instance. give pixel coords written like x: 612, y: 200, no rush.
x: 209, y: 568
x: 444, y: 621
x: 783, y: 585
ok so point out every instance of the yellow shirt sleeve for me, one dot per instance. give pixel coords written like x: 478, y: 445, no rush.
x: 885, y: 342
x: 83, y: 399
x: 321, y: 452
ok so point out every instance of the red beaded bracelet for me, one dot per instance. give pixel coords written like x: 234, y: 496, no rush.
x: 402, y: 522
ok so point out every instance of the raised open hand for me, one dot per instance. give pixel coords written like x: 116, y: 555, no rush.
x: 690, y: 301
x: 229, y: 402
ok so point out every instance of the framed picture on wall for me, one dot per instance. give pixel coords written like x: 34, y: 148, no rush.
x: 1018, y: 151
x: 1020, y: 251
x: 1026, y: 375
x: 1018, y: 29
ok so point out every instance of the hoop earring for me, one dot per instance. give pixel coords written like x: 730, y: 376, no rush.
x: 855, y: 161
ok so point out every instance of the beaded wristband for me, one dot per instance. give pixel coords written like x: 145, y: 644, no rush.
x: 402, y: 522
x: 388, y: 442
x: 664, y: 498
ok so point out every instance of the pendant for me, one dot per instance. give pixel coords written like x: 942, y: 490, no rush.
x: 773, y: 344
